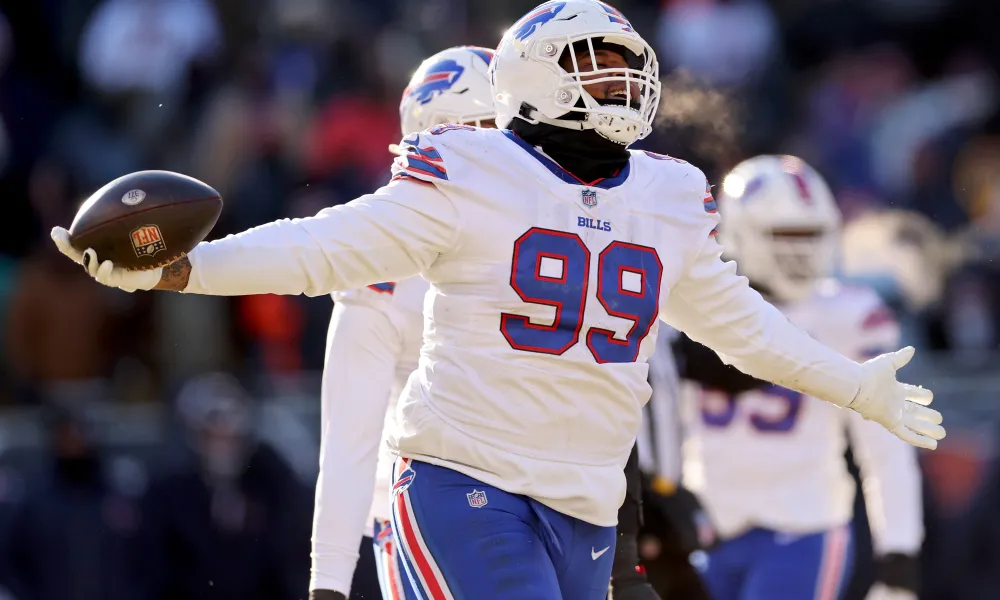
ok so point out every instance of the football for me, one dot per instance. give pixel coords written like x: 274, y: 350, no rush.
x: 146, y: 219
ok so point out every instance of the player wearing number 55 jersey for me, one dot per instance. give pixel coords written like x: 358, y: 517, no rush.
x: 768, y: 462
x: 546, y: 287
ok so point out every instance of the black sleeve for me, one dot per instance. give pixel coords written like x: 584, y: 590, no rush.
x: 701, y: 365
x: 630, y: 513
x: 899, y: 571
x: 625, y: 571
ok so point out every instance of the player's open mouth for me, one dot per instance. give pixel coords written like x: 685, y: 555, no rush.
x: 618, y: 96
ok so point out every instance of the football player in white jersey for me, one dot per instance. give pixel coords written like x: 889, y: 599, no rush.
x: 386, y: 321
x: 372, y: 347
x: 547, y: 283
x: 767, y: 462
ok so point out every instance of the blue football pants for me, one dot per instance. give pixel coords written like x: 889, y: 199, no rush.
x: 458, y: 538
x: 763, y: 564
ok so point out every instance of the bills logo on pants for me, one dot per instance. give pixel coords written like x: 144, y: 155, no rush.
x: 420, y: 568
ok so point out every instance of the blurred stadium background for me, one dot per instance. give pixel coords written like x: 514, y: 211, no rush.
x: 114, y: 407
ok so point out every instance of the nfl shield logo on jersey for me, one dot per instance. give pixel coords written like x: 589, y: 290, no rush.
x: 589, y: 197
x: 477, y: 499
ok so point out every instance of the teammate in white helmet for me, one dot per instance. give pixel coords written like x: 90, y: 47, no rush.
x: 372, y: 347
x: 768, y: 462
x: 552, y: 251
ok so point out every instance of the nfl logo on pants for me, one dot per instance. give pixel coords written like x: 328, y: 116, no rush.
x: 589, y: 197
x: 477, y: 499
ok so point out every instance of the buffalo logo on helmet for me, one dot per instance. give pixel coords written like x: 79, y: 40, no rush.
x: 752, y: 187
x: 484, y: 53
x: 615, y: 15
x: 437, y: 79
x: 527, y: 25
x: 147, y: 240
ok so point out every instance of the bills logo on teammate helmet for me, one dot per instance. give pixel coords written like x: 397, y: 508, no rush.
x: 752, y: 187
x: 530, y: 23
x: 484, y: 53
x: 438, y: 79
x: 615, y: 16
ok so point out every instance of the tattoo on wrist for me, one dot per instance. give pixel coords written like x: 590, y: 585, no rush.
x: 174, y: 276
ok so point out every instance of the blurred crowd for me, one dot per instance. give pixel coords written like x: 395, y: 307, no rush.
x: 288, y: 106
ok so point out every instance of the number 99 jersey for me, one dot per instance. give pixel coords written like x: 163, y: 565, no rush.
x: 544, y: 307
x: 774, y: 458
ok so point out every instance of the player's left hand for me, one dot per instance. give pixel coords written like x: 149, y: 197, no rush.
x: 880, y: 591
x: 899, y: 407
x: 897, y: 577
x: 106, y: 273
x: 685, y: 516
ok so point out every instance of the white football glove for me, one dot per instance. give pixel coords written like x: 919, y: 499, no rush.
x: 106, y: 272
x: 899, y: 407
x: 879, y: 591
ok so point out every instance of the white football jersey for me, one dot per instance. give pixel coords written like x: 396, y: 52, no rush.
x: 774, y: 458
x: 543, y: 305
x: 372, y: 347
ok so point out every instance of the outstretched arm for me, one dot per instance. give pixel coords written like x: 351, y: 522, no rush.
x: 717, y: 308
x: 174, y: 277
x: 393, y: 234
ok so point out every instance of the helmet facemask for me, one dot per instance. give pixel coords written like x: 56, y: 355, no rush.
x: 788, y: 261
x: 629, y: 94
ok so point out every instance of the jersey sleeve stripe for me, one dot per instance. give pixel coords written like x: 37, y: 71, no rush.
x: 405, y: 177
x: 710, y: 205
x: 429, y: 153
x: 384, y: 288
x: 415, y: 165
x: 419, y: 163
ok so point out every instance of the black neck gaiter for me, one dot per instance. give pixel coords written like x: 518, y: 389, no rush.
x: 584, y: 153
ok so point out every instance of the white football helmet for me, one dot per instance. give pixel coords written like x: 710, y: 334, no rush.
x: 781, y: 224
x: 529, y: 83
x: 451, y: 86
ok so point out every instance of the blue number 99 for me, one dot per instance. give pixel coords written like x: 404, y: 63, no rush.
x: 566, y: 261
x: 552, y: 268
